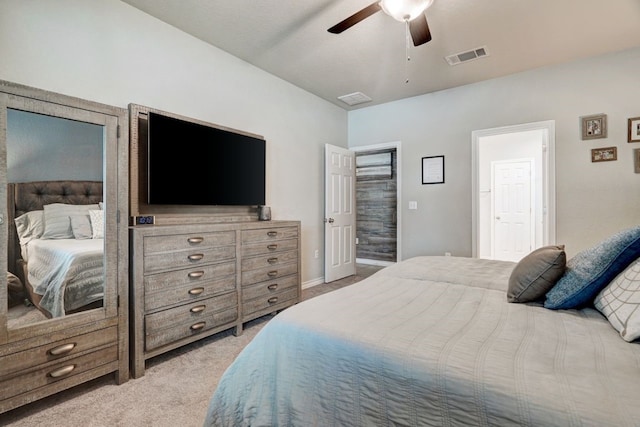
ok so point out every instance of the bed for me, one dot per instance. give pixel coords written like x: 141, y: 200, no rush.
x: 56, y: 245
x: 433, y: 341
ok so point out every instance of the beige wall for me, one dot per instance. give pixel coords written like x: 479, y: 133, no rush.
x: 109, y: 52
x: 593, y: 199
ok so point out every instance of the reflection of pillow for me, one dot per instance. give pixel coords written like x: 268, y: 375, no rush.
x: 536, y: 273
x: 592, y: 269
x: 30, y: 226
x: 80, y: 226
x: 97, y: 223
x: 56, y: 219
x: 620, y: 302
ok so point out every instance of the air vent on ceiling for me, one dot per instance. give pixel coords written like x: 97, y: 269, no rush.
x: 467, y: 56
x: 354, y: 98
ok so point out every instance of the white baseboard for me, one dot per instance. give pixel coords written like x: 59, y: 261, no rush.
x: 374, y: 262
x: 313, y: 282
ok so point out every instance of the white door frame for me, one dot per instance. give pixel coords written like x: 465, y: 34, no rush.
x: 397, y: 145
x: 548, y: 177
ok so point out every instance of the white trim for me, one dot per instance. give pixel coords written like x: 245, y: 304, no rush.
x: 374, y: 262
x: 398, y: 147
x: 548, y: 176
x: 313, y: 282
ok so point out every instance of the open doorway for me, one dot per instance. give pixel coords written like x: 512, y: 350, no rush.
x: 513, y: 190
x: 378, y: 223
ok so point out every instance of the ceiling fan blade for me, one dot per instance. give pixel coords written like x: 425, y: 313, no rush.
x: 420, y: 30
x: 355, y: 18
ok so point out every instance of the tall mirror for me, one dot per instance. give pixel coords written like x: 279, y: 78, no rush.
x: 55, y: 179
x: 61, y: 195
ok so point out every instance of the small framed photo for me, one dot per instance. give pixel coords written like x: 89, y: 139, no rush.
x: 433, y: 170
x: 636, y: 160
x: 594, y: 127
x: 634, y: 129
x: 605, y: 154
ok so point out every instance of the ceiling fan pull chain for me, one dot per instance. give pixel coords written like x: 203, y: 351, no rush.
x: 407, y: 47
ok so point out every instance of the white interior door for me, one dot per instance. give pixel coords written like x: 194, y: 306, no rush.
x: 340, y: 214
x: 513, y: 214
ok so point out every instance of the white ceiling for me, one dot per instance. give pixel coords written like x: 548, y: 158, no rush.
x: 289, y: 38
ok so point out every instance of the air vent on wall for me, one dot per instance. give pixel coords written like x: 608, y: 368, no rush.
x: 354, y: 98
x: 467, y: 56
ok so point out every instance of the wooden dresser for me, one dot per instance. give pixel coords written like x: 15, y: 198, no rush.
x: 192, y: 281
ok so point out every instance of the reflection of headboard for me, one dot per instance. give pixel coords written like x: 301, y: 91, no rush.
x: 30, y: 196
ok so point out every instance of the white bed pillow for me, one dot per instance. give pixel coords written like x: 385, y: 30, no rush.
x: 81, y: 227
x: 620, y: 302
x: 57, y: 222
x: 30, y: 226
x: 97, y: 223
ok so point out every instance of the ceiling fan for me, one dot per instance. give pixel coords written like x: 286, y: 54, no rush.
x: 409, y: 11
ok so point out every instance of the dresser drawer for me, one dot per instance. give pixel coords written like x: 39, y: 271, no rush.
x: 170, y: 325
x: 53, y: 372
x: 178, y: 242
x: 183, y: 286
x: 187, y: 258
x: 269, y: 301
x: 270, y: 288
x: 268, y: 273
x: 17, y: 362
x: 275, y: 259
x: 269, y: 234
x: 260, y: 248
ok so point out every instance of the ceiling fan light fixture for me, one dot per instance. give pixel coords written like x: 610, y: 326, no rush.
x: 404, y: 10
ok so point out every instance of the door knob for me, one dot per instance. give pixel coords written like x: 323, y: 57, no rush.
x: 498, y: 218
x: 331, y: 220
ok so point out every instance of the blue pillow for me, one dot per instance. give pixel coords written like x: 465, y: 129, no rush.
x: 592, y: 269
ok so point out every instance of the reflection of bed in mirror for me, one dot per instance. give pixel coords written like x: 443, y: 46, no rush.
x: 56, y: 246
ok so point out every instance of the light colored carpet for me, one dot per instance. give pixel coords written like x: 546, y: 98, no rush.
x: 174, y: 391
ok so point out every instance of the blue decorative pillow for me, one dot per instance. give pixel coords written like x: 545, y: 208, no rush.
x: 592, y: 269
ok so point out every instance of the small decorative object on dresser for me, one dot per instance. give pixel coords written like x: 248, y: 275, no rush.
x: 606, y: 154
x: 634, y: 130
x: 594, y: 127
x: 191, y: 281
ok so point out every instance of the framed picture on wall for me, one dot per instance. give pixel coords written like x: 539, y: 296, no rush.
x: 433, y: 170
x: 634, y: 130
x: 636, y: 160
x: 606, y: 154
x: 594, y: 127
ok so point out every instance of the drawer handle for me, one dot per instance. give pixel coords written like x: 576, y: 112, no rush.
x: 195, y: 239
x: 273, y: 287
x: 272, y: 247
x: 198, y: 308
x: 61, y: 372
x: 198, y: 326
x: 196, y: 291
x: 272, y: 300
x: 272, y: 260
x: 195, y: 257
x: 273, y: 273
x: 62, y: 349
x: 272, y: 233
x: 196, y: 274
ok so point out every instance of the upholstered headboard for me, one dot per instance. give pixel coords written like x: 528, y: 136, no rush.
x: 30, y: 196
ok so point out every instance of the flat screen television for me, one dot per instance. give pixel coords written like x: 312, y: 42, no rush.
x: 192, y: 164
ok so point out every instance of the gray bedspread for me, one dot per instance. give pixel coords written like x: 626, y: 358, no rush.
x: 68, y: 273
x: 431, y: 341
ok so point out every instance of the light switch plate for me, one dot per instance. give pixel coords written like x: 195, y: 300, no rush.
x: 413, y: 205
